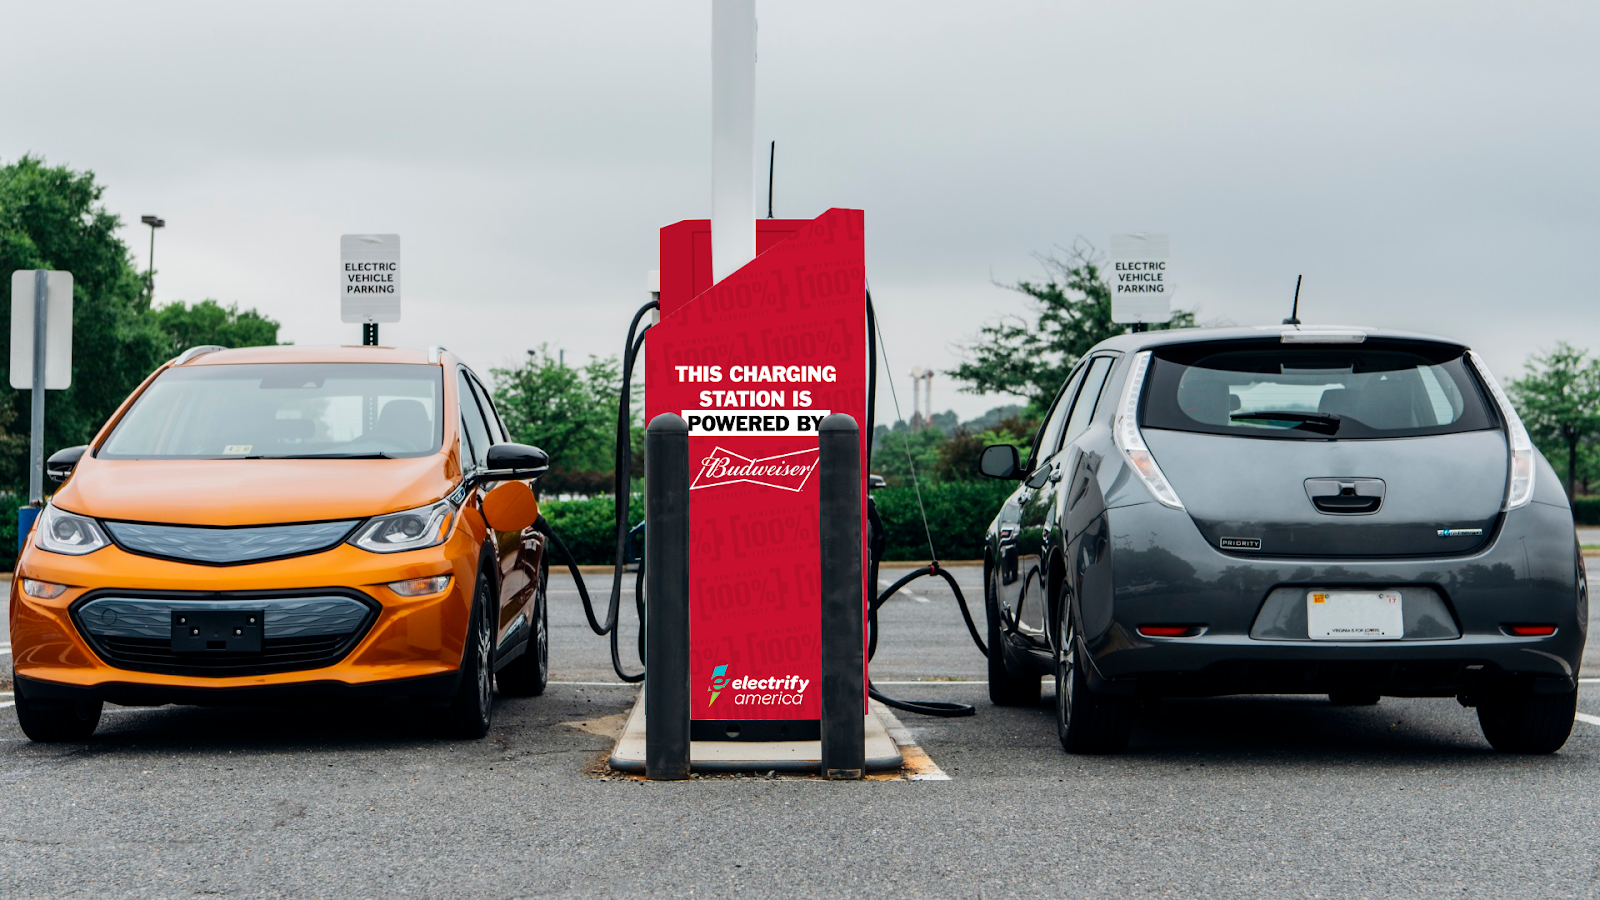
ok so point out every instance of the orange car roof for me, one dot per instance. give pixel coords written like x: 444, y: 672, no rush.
x: 295, y: 354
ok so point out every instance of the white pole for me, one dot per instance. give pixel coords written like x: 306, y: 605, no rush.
x: 733, y: 135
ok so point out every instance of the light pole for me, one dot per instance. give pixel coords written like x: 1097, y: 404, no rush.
x: 150, y: 274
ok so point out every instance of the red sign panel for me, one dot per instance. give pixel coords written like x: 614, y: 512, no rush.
x: 754, y: 363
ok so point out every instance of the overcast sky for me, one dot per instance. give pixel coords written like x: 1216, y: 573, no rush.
x: 1432, y: 166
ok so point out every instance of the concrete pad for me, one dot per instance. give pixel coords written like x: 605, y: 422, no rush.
x: 752, y: 756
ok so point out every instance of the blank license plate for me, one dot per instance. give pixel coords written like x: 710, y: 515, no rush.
x: 211, y: 630
x: 1354, y: 615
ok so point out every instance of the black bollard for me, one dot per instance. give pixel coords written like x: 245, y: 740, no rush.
x: 844, y: 748
x: 666, y: 593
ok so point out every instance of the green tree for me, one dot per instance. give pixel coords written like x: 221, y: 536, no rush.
x: 209, y: 322
x: 570, y: 413
x: 1559, y: 401
x: 899, y: 449
x: 51, y: 217
x: 958, y: 457
x: 1030, y: 356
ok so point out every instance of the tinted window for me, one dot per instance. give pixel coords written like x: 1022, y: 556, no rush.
x: 1319, y: 392
x: 472, y: 421
x: 1049, y: 437
x: 497, y: 425
x: 1088, y: 398
x: 283, y: 411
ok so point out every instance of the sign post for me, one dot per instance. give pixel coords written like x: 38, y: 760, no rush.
x: 369, y: 281
x: 1141, y: 285
x: 41, y: 360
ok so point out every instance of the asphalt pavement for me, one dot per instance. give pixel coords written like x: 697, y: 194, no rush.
x: 1234, y: 797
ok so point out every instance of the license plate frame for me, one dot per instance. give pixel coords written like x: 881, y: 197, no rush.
x: 1352, y: 615
x: 217, y: 630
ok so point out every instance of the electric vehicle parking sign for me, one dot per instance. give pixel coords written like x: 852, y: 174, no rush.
x: 1141, y: 278
x: 753, y: 363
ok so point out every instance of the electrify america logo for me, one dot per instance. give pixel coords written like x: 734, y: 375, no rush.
x: 783, y: 690
x: 786, y: 471
x: 719, y: 680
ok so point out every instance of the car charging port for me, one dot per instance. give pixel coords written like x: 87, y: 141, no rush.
x: 1525, y: 630
x: 1171, y: 631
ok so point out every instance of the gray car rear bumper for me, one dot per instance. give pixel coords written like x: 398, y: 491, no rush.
x: 1148, y: 564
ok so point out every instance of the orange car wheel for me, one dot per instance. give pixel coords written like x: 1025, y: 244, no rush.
x: 56, y: 720
x: 469, y: 712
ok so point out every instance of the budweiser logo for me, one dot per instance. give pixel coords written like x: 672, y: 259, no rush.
x: 786, y: 471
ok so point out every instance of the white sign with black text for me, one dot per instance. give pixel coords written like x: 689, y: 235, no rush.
x: 58, y: 329
x: 1141, y: 281
x: 369, y: 278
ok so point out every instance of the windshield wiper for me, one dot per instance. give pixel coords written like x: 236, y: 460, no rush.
x: 1328, y: 423
x: 373, y: 455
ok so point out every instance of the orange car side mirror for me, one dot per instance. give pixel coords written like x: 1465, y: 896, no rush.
x: 510, y: 506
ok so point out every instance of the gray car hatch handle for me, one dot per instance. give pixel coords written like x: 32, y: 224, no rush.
x: 1345, y: 496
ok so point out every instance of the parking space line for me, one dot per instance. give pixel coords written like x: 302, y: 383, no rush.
x: 884, y: 582
x: 1585, y: 717
x: 916, y: 763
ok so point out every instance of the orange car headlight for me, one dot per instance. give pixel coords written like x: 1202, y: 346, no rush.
x: 59, y: 531
x: 412, y: 529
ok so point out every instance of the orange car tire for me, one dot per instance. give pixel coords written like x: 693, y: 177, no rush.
x: 470, y: 711
x: 49, y: 721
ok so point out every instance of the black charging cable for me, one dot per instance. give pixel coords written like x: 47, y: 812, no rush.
x: 878, y: 541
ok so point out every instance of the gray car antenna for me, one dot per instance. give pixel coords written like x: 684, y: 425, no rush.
x: 1294, y: 313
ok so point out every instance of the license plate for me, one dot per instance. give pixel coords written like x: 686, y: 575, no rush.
x: 217, y: 630
x: 1354, y: 615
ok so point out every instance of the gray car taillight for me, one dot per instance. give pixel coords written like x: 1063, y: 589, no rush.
x: 1519, y: 487
x: 1125, y: 431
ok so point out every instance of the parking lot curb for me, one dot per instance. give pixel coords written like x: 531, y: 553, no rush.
x: 727, y: 757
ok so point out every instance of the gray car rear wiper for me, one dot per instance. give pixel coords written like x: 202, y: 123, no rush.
x: 1324, y: 422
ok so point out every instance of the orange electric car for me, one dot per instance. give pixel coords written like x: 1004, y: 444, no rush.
x: 283, y: 523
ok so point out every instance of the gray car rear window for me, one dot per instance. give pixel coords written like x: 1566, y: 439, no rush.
x: 1322, y: 392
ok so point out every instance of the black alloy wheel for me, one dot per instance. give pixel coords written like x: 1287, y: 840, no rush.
x: 50, y: 721
x: 1085, y: 722
x: 1005, y: 687
x: 528, y: 674
x: 470, y: 711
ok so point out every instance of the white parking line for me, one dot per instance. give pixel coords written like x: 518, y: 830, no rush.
x: 1585, y: 717
x: 917, y: 765
x: 884, y: 582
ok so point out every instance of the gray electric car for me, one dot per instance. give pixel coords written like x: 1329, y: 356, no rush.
x: 1285, y: 510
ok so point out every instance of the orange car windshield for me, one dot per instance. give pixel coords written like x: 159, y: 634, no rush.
x: 284, y: 411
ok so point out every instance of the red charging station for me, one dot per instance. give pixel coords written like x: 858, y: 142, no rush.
x: 754, y: 363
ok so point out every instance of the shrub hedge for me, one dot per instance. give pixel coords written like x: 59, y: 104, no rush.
x: 958, y: 513
x: 1586, y: 509
x: 589, y: 527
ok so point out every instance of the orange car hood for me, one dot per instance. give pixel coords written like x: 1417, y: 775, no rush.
x: 253, y: 491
